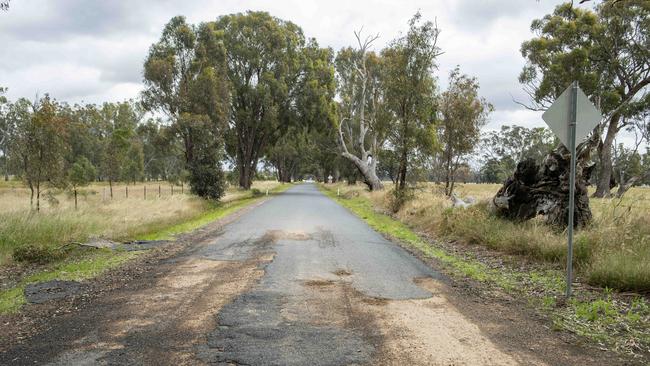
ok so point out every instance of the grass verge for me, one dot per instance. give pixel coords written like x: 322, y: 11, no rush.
x: 622, y: 325
x: 77, y: 269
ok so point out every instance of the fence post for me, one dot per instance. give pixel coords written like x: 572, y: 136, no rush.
x: 127, y: 191
x: 159, y: 191
x: 172, y: 189
x: 181, y: 187
x: 145, y: 192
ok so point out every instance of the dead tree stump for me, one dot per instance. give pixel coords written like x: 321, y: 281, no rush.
x: 543, y: 189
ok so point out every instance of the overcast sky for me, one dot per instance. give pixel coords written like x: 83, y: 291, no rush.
x: 93, y: 51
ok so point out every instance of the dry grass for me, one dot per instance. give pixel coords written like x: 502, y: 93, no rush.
x: 614, y: 251
x: 98, y: 216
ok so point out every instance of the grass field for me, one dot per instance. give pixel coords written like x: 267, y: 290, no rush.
x: 613, y: 252
x: 43, y: 236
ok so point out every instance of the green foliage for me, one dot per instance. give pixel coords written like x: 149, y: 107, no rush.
x: 606, y: 53
x: 409, y: 91
x: 463, y: 113
x: 81, y: 173
x: 502, y: 150
x: 185, y: 77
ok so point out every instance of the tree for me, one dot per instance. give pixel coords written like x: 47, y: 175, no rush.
x: 361, y: 132
x: 80, y: 174
x: 606, y: 52
x: 263, y: 64
x: 185, y: 78
x: 409, y: 91
x: 40, y: 147
x: 120, y: 121
x: 5, y: 132
x: 501, y: 150
x: 462, y: 112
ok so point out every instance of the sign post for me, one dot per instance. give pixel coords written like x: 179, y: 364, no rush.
x: 572, y: 185
x: 571, y: 117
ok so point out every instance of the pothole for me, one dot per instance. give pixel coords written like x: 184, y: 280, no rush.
x: 38, y: 293
x: 318, y: 283
x: 342, y: 272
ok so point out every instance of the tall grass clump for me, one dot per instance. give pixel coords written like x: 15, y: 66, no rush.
x: 620, y: 238
x: 30, y: 236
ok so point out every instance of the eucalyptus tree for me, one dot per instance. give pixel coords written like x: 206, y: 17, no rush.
x: 184, y: 76
x: 607, y: 52
x: 409, y: 89
x: 5, y: 132
x: 462, y: 114
x: 361, y: 130
x: 39, y: 145
x: 263, y: 66
x: 501, y: 150
x: 80, y: 174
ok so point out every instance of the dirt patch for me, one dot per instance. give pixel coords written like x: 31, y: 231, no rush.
x: 318, y: 283
x: 276, y: 235
x: 511, y: 325
x: 342, y: 272
x: 38, y: 293
x: 376, y: 301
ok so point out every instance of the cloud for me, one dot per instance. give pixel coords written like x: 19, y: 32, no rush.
x: 80, y: 50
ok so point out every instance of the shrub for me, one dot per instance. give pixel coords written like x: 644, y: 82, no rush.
x: 398, y: 197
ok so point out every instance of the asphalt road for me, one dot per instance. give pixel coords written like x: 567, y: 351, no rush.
x: 297, y: 280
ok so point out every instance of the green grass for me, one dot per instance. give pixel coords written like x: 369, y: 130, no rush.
x: 77, y: 269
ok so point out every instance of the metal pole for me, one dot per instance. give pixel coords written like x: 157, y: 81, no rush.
x: 572, y: 183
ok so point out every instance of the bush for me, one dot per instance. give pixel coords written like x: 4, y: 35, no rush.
x: 256, y: 192
x: 206, y: 180
x: 398, y: 197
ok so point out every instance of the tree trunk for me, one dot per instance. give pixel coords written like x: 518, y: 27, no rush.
x: 625, y: 186
x: 544, y: 190
x: 38, y: 197
x: 603, y: 187
x: 110, y: 185
x: 75, y: 198
x: 245, y: 179
x: 368, y: 171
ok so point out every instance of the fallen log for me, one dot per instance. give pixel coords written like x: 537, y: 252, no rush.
x: 543, y: 189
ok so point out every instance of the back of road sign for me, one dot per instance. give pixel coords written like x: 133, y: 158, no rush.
x: 557, y: 116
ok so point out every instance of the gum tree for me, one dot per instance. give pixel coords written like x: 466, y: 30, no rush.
x: 607, y: 52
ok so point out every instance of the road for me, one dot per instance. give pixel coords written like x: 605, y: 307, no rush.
x: 297, y: 280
